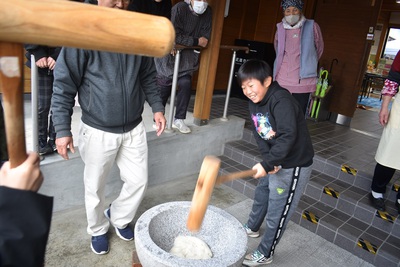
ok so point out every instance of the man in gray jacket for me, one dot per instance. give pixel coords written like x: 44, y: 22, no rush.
x: 111, y: 89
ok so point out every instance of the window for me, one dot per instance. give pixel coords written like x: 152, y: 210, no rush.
x: 392, y: 43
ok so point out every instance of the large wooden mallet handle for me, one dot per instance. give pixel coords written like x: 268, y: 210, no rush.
x: 73, y: 24
x: 233, y: 176
x: 11, y: 77
x: 202, y: 193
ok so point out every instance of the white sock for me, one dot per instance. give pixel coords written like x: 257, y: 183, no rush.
x: 377, y: 195
x: 398, y: 200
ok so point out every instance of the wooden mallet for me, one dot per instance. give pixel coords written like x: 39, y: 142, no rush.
x: 71, y: 24
x: 208, y: 178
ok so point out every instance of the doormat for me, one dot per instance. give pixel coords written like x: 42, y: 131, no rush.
x: 369, y: 103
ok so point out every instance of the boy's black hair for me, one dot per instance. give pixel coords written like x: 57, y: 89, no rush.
x: 254, y: 69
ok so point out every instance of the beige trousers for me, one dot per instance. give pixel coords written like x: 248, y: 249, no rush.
x: 99, y: 150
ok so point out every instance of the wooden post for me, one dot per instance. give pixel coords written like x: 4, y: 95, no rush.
x: 208, y: 66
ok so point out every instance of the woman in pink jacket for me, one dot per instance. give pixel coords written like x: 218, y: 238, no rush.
x: 298, y: 46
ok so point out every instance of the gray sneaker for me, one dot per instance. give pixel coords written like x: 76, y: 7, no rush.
x: 256, y: 259
x: 249, y: 232
x: 181, y: 126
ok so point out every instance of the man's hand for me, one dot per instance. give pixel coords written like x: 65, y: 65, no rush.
x: 203, y: 41
x: 63, y: 144
x: 51, y: 63
x: 260, y: 171
x: 42, y: 63
x: 160, y: 122
x: 384, y: 112
x: 275, y: 170
x: 26, y: 176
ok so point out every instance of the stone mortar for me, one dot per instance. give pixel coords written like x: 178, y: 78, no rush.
x: 157, y: 228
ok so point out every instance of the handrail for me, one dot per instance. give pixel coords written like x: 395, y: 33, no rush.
x: 34, y: 104
x: 234, y: 48
x: 246, y: 49
x: 183, y: 47
x: 178, y: 48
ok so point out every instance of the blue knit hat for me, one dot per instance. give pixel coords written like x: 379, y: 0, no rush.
x: 296, y: 3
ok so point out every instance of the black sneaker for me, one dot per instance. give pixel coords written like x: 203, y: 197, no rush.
x: 398, y: 205
x: 44, y: 148
x: 377, y: 203
x: 52, y: 144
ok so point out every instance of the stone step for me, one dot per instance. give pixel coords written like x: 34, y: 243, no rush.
x: 245, y: 152
x: 376, y: 242
x: 335, y: 204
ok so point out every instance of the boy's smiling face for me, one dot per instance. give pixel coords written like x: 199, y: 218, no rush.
x: 255, y: 90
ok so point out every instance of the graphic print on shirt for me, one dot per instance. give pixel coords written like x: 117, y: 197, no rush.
x: 263, y: 127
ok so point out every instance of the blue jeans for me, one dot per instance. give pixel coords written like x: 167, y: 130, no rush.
x: 276, y: 198
x: 183, y: 92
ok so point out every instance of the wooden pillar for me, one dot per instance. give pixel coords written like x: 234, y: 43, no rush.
x: 208, y: 66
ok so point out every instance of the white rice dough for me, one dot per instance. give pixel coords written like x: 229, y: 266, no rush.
x: 190, y: 247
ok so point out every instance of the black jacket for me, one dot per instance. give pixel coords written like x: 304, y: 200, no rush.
x: 281, y: 130
x: 24, y: 227
x: 152, y: 7
x: 40, y: 51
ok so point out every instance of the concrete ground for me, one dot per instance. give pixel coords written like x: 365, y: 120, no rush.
x: 69, y: 244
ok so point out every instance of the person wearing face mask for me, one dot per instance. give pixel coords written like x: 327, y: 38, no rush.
x: 192, y: 20
x: 298, y: 46
x: 152, y: 7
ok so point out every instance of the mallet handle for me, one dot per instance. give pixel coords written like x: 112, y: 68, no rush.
x: 73, y: 24
x: 11, y: 76
x: 233, y: 176
x: 202, y: 193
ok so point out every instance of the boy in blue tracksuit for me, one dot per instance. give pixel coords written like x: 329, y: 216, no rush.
x: 287, y: 156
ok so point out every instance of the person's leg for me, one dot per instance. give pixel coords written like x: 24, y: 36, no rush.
x: 183, y: 93
x: 132, y: 160
x: 303, y: 99
x: 98, y: 151
x: 164, y: 85
x: 381, y: 178
x: 397, y: 203
x: 45, y: 91
x: 260, y: 204
x: 52, y: 134
x: 286, y: 188
x: 51, y: 130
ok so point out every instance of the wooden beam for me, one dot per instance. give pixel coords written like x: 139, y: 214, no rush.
x: 208, y: 66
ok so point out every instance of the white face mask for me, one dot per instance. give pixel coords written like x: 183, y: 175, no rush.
x: 292, y: 19
x: 199, y: 7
